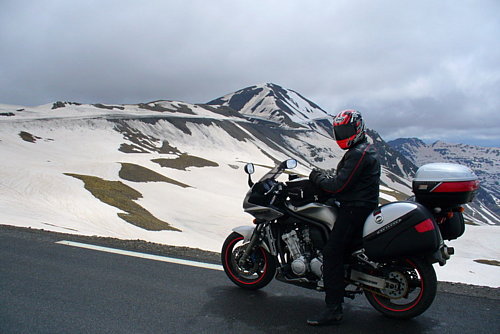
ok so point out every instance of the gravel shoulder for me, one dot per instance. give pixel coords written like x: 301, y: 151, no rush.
x: 196, y: 254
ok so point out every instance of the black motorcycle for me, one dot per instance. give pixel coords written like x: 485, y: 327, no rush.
x: 401, y: 240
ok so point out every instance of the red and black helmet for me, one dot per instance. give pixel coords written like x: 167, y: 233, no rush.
x: 348, y: 128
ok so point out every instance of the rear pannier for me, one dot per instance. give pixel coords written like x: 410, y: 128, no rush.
x: 398, y: 229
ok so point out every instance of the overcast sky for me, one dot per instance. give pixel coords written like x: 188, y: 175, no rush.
x: 423, y: 68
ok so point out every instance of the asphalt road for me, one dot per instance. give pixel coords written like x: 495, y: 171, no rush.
x: 51, y: 288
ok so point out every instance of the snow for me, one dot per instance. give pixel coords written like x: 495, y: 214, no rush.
x: 34, y: 192
x: 388, y: 197
x: 404, y: 186
x: 477, y: 243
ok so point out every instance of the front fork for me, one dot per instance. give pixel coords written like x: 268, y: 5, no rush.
x: 256, y: 237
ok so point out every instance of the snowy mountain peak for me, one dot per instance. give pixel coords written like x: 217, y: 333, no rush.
x: 274, y: 103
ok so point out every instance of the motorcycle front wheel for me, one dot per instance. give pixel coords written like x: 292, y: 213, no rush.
x: 413, y: 291
x: 257, y: 271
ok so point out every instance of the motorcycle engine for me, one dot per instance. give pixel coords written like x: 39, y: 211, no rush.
x: 300, y: 265
x: 297, y: 246
x: 317, y: 266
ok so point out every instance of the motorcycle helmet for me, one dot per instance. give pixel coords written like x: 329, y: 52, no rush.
x: 348, y: 128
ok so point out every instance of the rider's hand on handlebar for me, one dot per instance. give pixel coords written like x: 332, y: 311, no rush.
x: 315, y: 174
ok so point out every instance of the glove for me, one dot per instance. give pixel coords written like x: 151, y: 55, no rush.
x: 315, y: 175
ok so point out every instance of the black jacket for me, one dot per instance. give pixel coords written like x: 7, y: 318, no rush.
x: 357, y: 179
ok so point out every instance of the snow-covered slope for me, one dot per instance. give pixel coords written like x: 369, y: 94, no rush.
x: 165, y: 171
x: 50, y: 153
x: 484, y: 161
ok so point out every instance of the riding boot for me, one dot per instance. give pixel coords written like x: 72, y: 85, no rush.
x: 330, y: 316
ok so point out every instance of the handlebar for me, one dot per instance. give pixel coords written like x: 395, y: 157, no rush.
x: 273, y: 173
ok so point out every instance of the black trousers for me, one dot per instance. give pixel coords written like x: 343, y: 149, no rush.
x: 345, y: 237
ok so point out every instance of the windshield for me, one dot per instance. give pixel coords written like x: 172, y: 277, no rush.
x: 273, y: 173
x: 276, y: 171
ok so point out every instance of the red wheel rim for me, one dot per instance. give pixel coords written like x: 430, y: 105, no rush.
x: 230, y: 268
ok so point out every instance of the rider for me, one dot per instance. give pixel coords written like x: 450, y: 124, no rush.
x: 355, y: 186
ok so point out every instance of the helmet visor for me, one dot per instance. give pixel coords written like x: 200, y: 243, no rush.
x: 343, y: 131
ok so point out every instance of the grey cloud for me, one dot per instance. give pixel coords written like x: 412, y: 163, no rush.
x: 412, y: 60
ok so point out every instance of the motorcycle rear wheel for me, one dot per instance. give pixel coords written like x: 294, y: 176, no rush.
x: 417, y: 289
x: 257, y: 271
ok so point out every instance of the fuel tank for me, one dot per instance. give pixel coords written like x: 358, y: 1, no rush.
x: 317, y: 212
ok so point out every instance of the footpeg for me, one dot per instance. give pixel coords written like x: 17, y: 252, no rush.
x: 351, y: 294
x: 320, y: 286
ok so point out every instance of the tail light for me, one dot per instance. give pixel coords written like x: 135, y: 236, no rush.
x: 425, y: 226
x: 450, y: 187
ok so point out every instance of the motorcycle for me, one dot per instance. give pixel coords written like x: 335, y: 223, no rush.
x: 401, y: 240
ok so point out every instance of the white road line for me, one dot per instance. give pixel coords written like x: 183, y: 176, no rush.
x: 142, y: 255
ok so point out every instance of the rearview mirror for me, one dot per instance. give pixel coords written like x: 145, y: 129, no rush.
x: 249, y: 168
x: 291, y: 163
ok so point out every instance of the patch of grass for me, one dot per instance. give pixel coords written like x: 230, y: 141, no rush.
x: 121, y: 196
x: 129, y: 148
x: 184, y: 161
x: 26, y: 136
x: 470, y: 222
x: 136, y: 173
x: 490, y: 262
